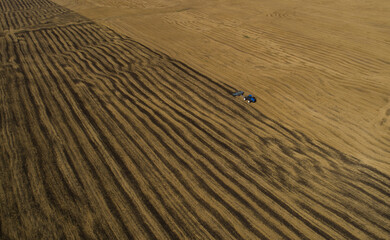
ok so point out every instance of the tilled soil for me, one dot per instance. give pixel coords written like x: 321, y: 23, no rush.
x: 105, y: 137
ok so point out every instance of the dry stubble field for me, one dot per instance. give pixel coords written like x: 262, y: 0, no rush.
x: 117, y: 120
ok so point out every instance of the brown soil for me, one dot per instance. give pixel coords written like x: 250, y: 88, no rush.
x: 117, y: 119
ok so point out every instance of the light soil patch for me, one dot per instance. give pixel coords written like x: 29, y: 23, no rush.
x: 320, y: 67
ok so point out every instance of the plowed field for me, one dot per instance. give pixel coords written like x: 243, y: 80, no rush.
x: 106, y: 136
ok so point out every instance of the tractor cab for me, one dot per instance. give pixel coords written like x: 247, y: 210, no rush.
x: 250, y: 98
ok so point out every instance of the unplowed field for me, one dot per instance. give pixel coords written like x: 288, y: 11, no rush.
x: 104, y: 137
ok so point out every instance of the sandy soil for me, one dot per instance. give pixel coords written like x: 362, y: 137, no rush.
x: 117, y: 120
x: 318, y: 66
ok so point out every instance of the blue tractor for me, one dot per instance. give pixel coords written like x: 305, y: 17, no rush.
x: 250, y: 98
